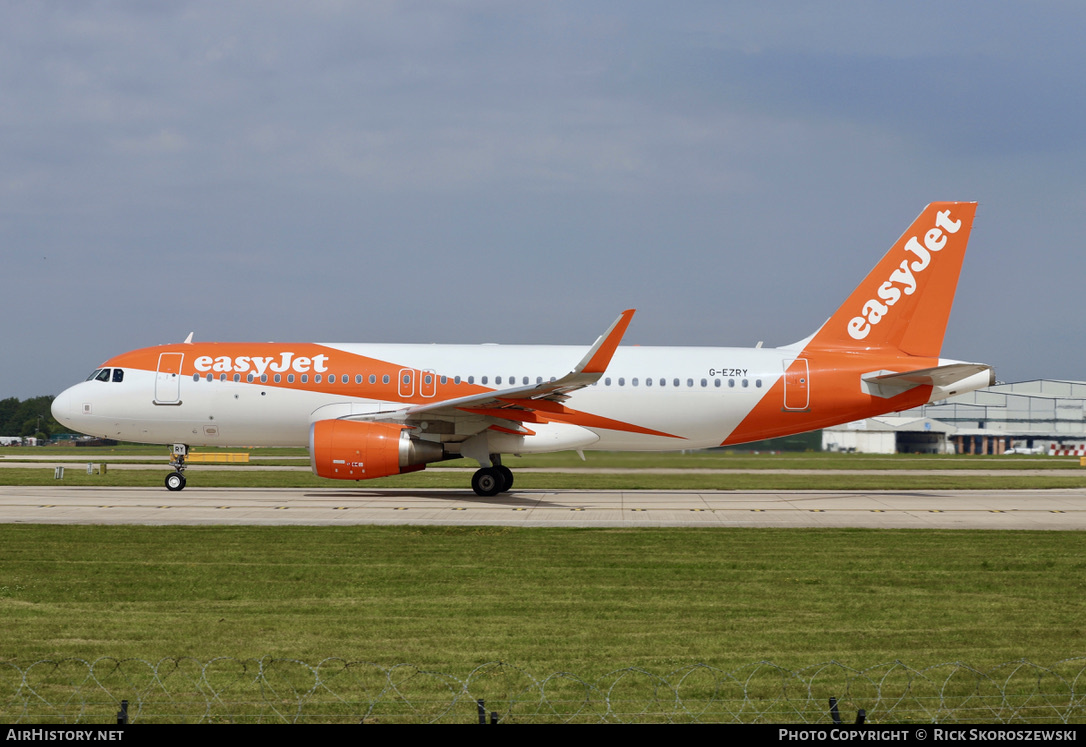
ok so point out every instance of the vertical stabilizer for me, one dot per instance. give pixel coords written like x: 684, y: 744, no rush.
x: 905, y: 302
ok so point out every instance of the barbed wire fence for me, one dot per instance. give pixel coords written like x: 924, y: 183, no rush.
x: 280, y: 690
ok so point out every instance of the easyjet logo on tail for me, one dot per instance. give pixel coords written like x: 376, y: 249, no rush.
x: 903, y: 279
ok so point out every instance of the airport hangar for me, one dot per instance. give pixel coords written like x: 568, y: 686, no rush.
x: 1045, y: 416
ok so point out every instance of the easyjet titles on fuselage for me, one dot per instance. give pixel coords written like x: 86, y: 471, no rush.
x: 261, y: 364
x: 934, y: 240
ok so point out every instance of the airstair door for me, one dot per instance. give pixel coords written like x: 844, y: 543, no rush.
x: 168, y: 379
x: 797, y: 384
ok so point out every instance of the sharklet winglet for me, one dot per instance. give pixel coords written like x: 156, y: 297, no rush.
x: 598, y: 358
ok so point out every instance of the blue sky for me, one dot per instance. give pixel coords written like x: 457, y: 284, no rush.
x: 502, y: 172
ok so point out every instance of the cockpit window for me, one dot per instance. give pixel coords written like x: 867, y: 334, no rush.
x: 102, y: 375
x: 118, y: 374
x: 93, y: 374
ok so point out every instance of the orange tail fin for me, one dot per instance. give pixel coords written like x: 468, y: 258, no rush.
x: 904, y: 303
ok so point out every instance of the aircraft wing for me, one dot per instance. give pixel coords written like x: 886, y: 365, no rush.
x: 521, y: 403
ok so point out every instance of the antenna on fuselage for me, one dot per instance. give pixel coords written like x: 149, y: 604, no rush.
x: 188, y: 340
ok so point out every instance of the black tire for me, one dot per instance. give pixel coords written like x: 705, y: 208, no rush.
x: 487, y: 482
x: 507, y: 478
x: 175, y: 481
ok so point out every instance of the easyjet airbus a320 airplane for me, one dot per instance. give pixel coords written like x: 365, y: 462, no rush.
x: 367, y: 411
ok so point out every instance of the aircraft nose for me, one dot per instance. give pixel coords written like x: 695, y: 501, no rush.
x: 62, y: 408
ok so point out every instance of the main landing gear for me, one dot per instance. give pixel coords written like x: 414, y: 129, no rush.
x: 489, y: 481
x: 176, y: 479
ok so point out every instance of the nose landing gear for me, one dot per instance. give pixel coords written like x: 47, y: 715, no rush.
x: 176, y: 479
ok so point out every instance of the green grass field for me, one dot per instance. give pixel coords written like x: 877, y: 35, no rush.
x: 551, y: 599
x: 585, y: 601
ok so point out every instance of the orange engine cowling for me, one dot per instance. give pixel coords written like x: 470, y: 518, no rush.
x: 351, y: 450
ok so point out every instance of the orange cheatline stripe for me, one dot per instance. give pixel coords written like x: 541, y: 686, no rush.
x: 565, y: 415
x: 835, y: 396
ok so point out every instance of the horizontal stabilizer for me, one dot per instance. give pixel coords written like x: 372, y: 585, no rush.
x: 945, y: 381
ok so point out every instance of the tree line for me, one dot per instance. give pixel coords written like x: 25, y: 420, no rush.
x: 28, y: 417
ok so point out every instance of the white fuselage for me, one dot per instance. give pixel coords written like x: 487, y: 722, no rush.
x: 697, y: 396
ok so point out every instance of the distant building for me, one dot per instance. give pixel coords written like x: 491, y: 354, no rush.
x: 1043, y: 416
x: 890, y: 434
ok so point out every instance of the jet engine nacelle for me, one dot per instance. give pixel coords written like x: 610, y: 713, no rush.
x: 352, y: 450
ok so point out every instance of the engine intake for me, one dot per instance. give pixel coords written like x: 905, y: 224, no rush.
x: 352, y: 450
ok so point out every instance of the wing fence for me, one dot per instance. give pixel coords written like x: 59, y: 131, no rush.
x: 280, y: 690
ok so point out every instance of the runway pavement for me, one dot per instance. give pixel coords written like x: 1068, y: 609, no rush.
x: 1034, y: 509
